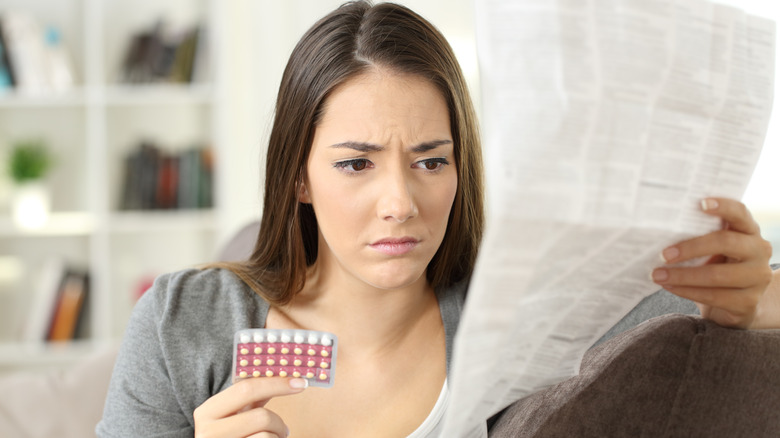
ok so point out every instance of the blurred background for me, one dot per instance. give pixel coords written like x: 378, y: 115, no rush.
x: 134, y: 131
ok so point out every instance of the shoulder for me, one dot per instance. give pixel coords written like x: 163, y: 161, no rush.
x: 194, y: 288
x: 212, y: 302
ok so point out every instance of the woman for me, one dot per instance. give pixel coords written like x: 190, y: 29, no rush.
x: 372, y: 219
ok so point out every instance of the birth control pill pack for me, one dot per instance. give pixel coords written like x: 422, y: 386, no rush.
x: 310, y: 354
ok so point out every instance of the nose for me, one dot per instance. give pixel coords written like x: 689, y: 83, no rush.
x: 396, y: 200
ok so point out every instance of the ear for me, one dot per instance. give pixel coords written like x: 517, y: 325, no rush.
x: 303, y: 193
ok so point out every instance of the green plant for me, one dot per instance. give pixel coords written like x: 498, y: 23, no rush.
x: 30, y: 160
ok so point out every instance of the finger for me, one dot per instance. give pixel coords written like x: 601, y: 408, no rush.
x: 727, y: 307
x: 258, y: 421
x: 254, y: 391
x: 720, y: 275
x: 732, y: 244
x: 733, y: 212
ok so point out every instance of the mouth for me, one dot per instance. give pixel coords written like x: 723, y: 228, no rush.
x: 395, y: 246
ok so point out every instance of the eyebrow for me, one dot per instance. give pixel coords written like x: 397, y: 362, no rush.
x: 371, y: 147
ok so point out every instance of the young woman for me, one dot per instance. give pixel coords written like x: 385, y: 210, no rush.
x: 372, y: 218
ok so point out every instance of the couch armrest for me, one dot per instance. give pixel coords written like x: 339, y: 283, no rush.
x: 675, y: 375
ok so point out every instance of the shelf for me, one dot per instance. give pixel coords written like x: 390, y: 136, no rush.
x: 73, y: 223
x: 158, y: 94
x: 73, y: 98
x: 43, y: 354
x: 162, y: 220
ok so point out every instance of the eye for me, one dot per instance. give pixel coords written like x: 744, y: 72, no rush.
x: 432, y: 164
x: 353, y: 166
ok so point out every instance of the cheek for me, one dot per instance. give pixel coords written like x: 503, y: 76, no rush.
x: 440, y: 204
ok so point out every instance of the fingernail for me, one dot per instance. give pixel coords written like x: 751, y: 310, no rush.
x: 299, y: 383
x: 660, y: 275
x: 670, y: 254
x: 709, y: 204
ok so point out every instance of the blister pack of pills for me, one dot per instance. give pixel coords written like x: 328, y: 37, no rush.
x: 310, y: 354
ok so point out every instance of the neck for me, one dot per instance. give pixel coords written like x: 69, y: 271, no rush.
x: 366, y: 319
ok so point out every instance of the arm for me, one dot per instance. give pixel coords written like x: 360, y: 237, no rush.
x: 141, y: 399
x: 736, y: 286
x: 161, y: 387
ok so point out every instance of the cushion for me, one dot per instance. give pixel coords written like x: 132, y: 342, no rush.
x: 65, y: 403
x: 672, y: 376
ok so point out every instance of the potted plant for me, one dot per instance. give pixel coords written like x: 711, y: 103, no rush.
x: 28, y: 166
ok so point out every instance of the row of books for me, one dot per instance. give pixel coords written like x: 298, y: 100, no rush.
x: 156, y: 179
x: 34, y: 59
x: 59, y: 309
x: 162, y: 55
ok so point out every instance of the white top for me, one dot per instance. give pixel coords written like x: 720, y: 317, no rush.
x: 433, y: 425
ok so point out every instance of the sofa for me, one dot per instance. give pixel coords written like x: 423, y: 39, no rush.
x: 672, y: 376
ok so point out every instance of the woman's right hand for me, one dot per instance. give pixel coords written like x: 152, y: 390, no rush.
x: 239, y: 410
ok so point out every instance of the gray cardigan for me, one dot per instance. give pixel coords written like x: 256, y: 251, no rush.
x: 177, y: 350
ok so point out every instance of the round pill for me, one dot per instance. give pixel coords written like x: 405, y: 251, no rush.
x: 285, y: 350
x: 283, y: 361
x: 271, y: 337
x: 323, y: 364
x: 311, y: 352
x: 256, y: 373
x: 326, y: 340
x: 312, y: 339
x: 245, y: 338
x: 256, y: 362
x: 285, y: 337
x: 296, y: 373
x: 242, y: 374
x: 271, y: 350
x: 258, y: 337
x: 323, y: 376
x: 283, y: 373
x: 270, y: 361
x: 324, y: 353
x: 244, y: 351
x: 310, y: 363
x: 258, y: 350
x: 297, y: 362
x: 310, y: 375
x: 298, y: 338
x: 297, y: 350
x: 269, y: 373
x: 243, y: 362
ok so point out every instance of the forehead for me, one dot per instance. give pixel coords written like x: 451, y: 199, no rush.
x: 377, y: 102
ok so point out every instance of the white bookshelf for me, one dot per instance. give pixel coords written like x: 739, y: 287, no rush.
x: 91, y: 128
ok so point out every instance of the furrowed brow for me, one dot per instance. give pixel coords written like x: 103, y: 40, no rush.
x: 358, y: 146
x: 429, y: 145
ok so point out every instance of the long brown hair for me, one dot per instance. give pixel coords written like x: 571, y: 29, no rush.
x: 342, y: 45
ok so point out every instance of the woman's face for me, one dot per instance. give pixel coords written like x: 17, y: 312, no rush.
x: 381, y: 179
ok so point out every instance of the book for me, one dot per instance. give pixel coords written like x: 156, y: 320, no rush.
x: 157, y: 179
x: 69, y: 305
x: 6, y: 72
x: 161, y: 55
x: 50, y: 280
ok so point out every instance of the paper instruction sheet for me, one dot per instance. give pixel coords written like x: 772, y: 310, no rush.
x: 605, y: 123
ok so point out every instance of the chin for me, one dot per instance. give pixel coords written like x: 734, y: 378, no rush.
x: 397, y: 280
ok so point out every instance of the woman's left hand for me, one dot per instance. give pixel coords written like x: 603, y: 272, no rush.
x: 735, y: 287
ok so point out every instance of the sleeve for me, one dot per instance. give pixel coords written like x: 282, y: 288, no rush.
x: 660, y: 303
x: 141, y: 400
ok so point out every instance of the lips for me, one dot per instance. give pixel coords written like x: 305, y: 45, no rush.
x: 395, y: 246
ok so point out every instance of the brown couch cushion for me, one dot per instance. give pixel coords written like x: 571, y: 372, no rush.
x: 672, y: 376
